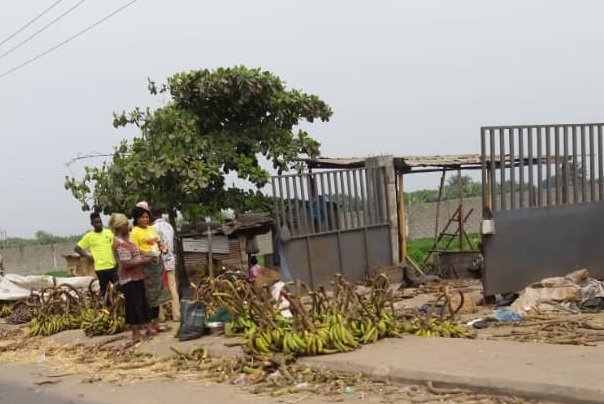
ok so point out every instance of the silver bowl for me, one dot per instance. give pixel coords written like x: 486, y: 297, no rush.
x: 215, y: 327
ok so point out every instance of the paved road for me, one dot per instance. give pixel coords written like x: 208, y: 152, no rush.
x: 20, y: 384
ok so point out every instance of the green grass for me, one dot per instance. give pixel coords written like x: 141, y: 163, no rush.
x: 419, y: 249
x: 58, y: 274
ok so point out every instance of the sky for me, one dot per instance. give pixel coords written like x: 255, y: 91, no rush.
x: 403, y: 77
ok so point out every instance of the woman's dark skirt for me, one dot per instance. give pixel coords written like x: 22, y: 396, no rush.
x: 137, y: 311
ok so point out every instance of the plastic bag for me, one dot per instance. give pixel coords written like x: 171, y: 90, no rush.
x: 506, y: 314
x: 192, y: 320
x: 285, y: 235
x: 10, y: 291
x: 283, y: 303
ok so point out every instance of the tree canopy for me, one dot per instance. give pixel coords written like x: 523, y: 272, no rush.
x: 217, y: 122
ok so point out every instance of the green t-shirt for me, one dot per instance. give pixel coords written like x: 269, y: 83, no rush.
x: 101, y: 247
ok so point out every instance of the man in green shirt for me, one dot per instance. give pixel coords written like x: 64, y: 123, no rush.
x: 99, y: 241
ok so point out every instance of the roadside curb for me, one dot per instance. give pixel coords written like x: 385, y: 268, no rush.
x: 560, y: 373
x: 486, y: 384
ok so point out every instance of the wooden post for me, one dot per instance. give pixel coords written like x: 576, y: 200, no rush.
x: 210, y: 258
x: 402, y: 225
x: 440, y: 195
x: 461, y: 230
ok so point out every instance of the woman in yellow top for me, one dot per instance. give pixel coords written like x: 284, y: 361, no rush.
x: 146, y: 238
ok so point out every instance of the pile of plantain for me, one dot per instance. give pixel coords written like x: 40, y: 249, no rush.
x: 106, y: 320
x: 63, y: 307
x: 321, y: 322
x: 59, y: 310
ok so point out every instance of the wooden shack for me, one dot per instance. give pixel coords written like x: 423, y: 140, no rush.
x: 231, y: 243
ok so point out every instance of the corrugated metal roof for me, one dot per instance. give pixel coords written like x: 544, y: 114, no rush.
x: 441, y: 161
x: 409, y: 162
x: 249, y: 224
x: 335, y: 162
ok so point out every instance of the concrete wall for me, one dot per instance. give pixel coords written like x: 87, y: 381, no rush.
x: 36, y: 260
x: 421, y: 218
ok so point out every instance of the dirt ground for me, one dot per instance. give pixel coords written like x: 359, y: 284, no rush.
x: 561, y: 327
x: 39, y: 367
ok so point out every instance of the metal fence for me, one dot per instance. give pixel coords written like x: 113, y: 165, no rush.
x: 331, y: 201
x: 540, y: 185
x: 338, y: 223
x: 541, y: 165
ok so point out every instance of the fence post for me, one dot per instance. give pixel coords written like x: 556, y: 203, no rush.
x: 389, y: 200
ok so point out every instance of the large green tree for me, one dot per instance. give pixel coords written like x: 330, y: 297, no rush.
x: 217, y: 122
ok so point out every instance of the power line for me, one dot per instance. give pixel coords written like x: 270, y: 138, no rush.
x: 44, y: 28
x: 66, y: 41
x: 36, y: 18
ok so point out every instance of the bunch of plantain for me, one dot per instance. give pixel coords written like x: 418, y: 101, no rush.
x: 340, y: 336
x: 434, y: 328
x: 45, y: 325
x: 289, y: 342
x: 240, y: 324
x: 102, y: 322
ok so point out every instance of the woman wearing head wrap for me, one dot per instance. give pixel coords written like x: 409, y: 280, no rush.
x: 146, y: 238
x: 130, y: 265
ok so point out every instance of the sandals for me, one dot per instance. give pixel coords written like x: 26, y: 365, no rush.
x: 134, y: 343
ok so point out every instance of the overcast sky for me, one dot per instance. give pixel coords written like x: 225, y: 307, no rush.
x: 403, y: 77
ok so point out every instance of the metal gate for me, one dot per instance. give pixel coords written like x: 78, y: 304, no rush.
x: 542, y: 187
x: 338, y: 223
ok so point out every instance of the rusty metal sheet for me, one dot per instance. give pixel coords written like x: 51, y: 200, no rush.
x: 196, y: 261
x: 532, y: 244
x: 220, y: 245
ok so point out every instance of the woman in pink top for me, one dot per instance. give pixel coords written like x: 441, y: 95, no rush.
x: 131, y: 276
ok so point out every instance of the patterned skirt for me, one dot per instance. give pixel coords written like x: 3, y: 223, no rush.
x: 157, y: 293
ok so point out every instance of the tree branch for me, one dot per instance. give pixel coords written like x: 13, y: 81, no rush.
x: 86, y: 157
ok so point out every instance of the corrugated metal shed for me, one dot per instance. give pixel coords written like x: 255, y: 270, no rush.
x: 220, y: 245
x: 228, y: 241
x: 196, y: 261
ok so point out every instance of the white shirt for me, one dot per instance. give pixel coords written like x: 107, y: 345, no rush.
x: 166, y: 235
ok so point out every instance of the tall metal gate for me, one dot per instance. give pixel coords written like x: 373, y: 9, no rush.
x: 338, y: 223
x: 542, y: 186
